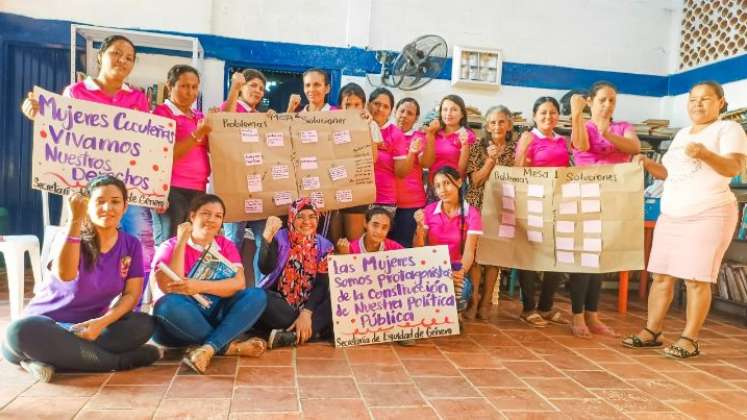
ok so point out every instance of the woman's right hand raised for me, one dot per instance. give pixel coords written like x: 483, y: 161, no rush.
x: 293, y: 102
x: 419, y: 217
x: 30, y: 106
x: 183, y: 232
x: 433, y: 127
x: 343, y: 246
x: 237, y: 80
x: 578, y: 103
x: 273, y: 225
x: 78, y: 204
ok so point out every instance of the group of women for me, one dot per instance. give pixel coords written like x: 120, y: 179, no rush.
x: 110, y: 246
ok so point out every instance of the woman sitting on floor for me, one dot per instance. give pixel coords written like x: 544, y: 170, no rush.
x: 297, y: 283
x: 69, y: 324
x: 228, y: 308
x: 378, y: 223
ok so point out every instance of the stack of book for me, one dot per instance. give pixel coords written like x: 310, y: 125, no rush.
x: 732, y: 282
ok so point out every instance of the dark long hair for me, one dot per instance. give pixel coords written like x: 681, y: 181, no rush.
x: 351, y: 89
x: 176, y: 71
x: 251, y: 74
x: 90, y: 244
x: 460, y: 103
x: 202, y: 199
x: 542, y: 100
x: 454, y: 177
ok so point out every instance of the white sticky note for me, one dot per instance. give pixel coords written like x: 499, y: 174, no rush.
x: 590, y: 260
x: 342, y: 137
x: 571, y: 190
x: 254, y: 182
x: 251, y: 159
x: 591, y: 206
x: 309, y: 163
x: 565, y: 226
x: 344, y: 196
x: 565, y: 244
x: 253, y: 205
x: 535, y: 221
x: 282, y: 198
x: 565, y: 257
x: 590, y: 190
x: 568, y: 207
x: 317, y: 197
x: 509, y: 190
x: 249, y: 135
x: 593, y: 244
x: 506, y: 231
x: 592, y: 226
x: 280, y: 172
x: 536, y: 190
x: 275, y: 139
x: 535, y: 206
x: 311, y: 183
x: 534, y: 236
x: 309, y: 136
x: 337, y: 173
x: 508, y: 219
x: 508, y: 203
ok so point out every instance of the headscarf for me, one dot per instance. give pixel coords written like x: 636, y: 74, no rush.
x: 300, y: 271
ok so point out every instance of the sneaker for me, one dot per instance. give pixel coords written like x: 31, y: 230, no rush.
x: 42, y: 372
x: 253, y: 347
x: 281, y: 338
x: 199, y: 358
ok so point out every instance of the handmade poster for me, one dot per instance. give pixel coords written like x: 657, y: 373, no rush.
x: 261, y: 164
x: 577, y: 219
x: 392, y: 295
x: 75, y: 141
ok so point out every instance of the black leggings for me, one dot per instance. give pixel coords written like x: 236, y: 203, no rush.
x: 550, y: 282
x: 41, y: 339
x: 280, y: 314
x: 585, y: 291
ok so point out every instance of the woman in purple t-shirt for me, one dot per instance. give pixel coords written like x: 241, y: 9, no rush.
x: 71, y: 324
x: 598, y: 141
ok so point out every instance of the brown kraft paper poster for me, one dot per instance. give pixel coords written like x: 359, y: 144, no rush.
x: 578, y: 219
x: 261, y: 164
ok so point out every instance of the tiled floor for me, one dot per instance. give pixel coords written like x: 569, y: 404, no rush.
x: 500, y: 369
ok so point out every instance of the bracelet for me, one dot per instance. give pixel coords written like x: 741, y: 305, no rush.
x: 73, y: 239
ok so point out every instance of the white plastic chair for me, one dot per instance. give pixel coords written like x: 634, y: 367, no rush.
x: 13, y: 248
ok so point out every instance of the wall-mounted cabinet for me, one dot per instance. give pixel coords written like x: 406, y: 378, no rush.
x: 476, y: 67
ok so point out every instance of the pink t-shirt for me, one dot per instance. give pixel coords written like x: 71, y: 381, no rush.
x: 386, y: 181
x: 601, y: 151
x: 544, y: 151
x: 126, y: 97
x: 192, y: 170
x: 358, y: 247
x: 192, y: 254
x: 410, y: 189
x: 326, y: 107
x: 443, y: 230
x: 448, y: 147
x: 241, y: 106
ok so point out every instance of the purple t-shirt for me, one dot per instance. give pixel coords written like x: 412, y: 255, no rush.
x: 601, y: 150
x: 89, y: 295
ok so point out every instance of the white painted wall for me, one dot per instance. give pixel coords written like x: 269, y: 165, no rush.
x: 675, y: 107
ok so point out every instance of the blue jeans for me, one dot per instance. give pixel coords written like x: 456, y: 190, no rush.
x: 181, y: 321
x: 235, y: 232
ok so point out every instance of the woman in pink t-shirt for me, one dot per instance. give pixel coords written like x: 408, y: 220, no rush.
x: 599, y: 141
x: 410, y: 188
x: 451, y: 221
x: 232, y: 309
x: 191, y: 167
x: 380, y: 105
x: 544, y: 148
x: 447, y: 139
x: 116, y: 60
x: 316, y: 88
x: 378, y: 224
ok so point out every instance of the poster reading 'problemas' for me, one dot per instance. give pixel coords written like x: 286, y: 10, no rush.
x: 76, y: 141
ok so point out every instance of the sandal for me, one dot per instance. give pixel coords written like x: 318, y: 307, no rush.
x: 580, y: 331
x: 679, y: 352
x: 253, y: 347
x: 556, y: 317
x: 635, y: 342
x: 534, y: 319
